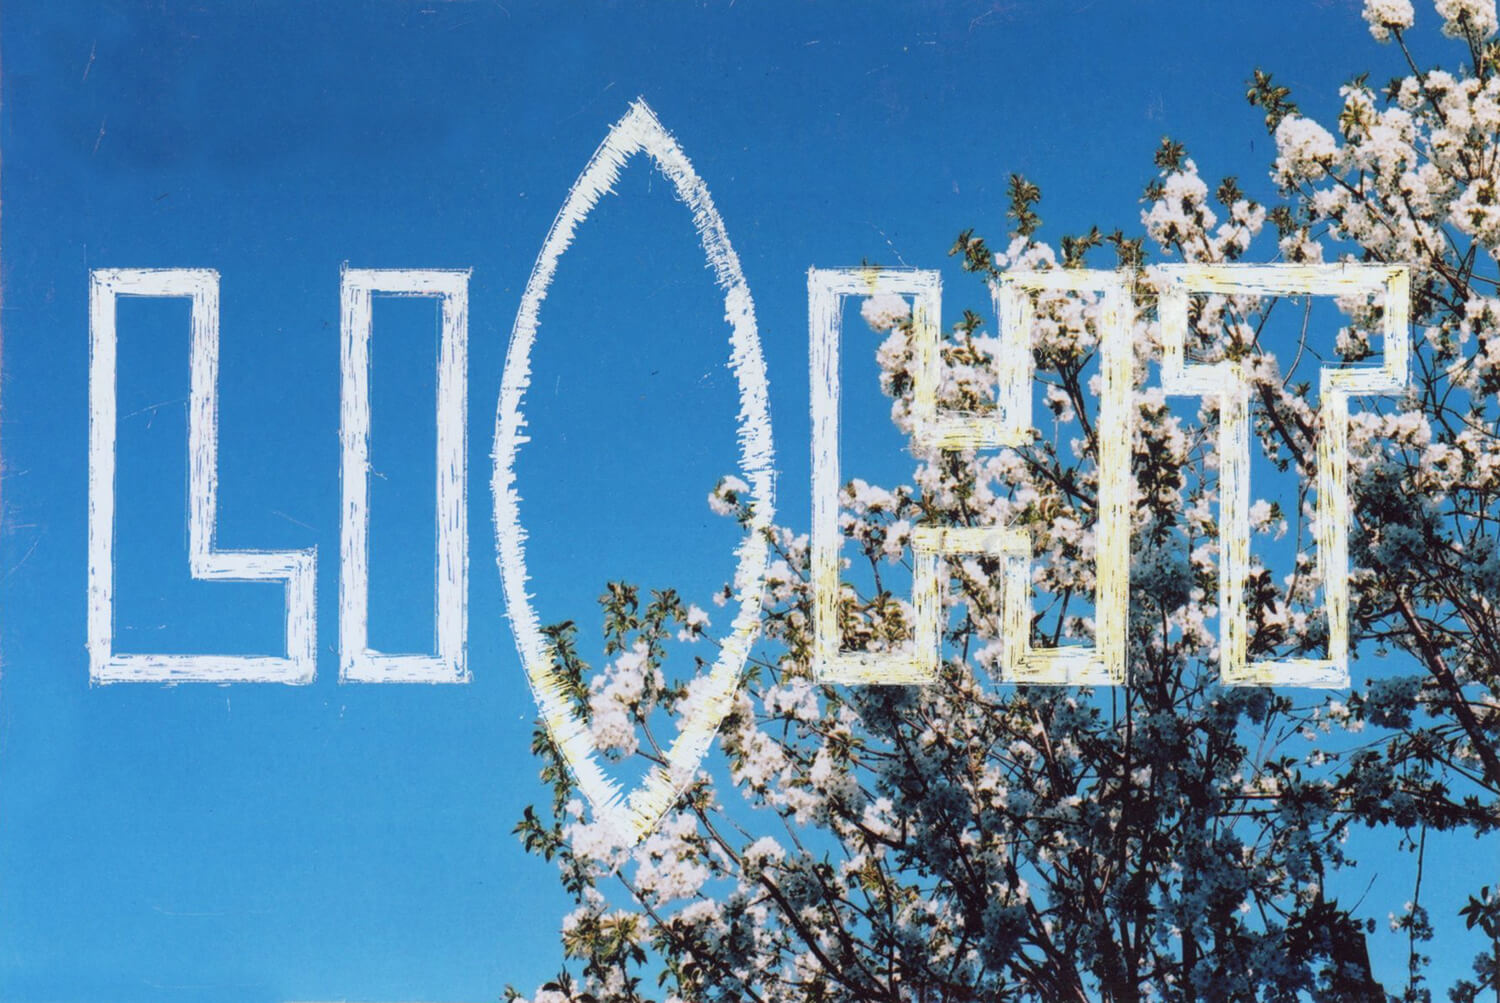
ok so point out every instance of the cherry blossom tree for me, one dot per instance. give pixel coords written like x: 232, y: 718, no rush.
x: 1174, y: 838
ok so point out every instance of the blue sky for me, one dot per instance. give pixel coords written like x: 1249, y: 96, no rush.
x: 323, y: 842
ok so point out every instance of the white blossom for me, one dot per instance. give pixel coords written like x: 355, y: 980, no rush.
x: 1383, y: 15
x: 1465, y: 17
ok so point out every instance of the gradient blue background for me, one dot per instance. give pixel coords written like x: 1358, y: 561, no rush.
x: 329, y: 842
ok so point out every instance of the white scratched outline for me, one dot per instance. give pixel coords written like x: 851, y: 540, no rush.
x: 1226, y: 381
x: 827, y: 289
x: 358, y: 662
x: 1103, y: 663
x: 296, y: 568
x: 630, y: 818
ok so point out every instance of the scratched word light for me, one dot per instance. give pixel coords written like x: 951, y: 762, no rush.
x: 933, y: 429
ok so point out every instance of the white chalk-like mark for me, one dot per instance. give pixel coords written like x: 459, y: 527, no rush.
x: 296, y: 568
x: 357, y: 661
x: 1102, y: 663
x: 827, y: 289
x: 1226, y: 381
x: 630, y: 818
